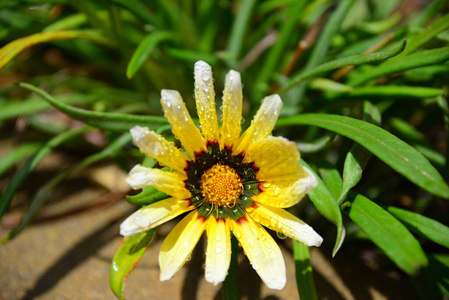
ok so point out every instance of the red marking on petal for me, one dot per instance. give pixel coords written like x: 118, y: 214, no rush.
x: 201, y: 218
x: 254, y: 205
x: 260, y: 187
x: 242, y: 220
x: 211, y: 143
x: 228, y: 148
x: 220, y: 220
x: 189, y: 201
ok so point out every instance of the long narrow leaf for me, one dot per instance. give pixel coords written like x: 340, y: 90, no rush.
x: 41, y: 196
x: 397, y: 154
x: 427, y: 34
x: 304, y: 275
x: 426, y: 227
x: 358, y: 157
x: 145, y: 48
x: 107, y: 121
x: 126, y: 258
x: 387, y: 233
x: 30, y: 164
x: 240, y: 27
x: 327, y: 205
x: 342, y: 62
x: 9, y: 51
x: 404, y: 63
x: 11, y: 158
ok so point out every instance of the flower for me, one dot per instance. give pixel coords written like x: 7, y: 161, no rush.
x: 228, y: 183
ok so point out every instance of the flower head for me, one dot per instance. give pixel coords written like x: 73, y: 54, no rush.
x: 226, y: 181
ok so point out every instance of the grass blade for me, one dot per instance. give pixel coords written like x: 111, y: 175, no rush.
x: 107, y: 121
x: 426, y: 227
x: 397, y: 154
x: 126, y: 258
x: 304, y: 275
x: 10, y: 50
x: 342, y: 62
x: 387, y: 233
x: 404, y: 63
x: 327, y: 206
x: 145, y: 48
x: 42, y: 194
x: 30, y: 164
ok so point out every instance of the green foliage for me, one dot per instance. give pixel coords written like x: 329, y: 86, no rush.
x: 364, y: 86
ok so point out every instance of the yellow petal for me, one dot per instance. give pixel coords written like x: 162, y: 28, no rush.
x: 155, y: 146
x: 280, y: 220
x: 168, y: 182
x: 154, y: 215
x: 218, y: 254
x: 231, y: 110
x: 263, y: 123
x: 275, y: 157
x: 179, y: 244
x: 262, y: 251
x: 286, y: 192
x: 205, y: 101
x: 182, y: 125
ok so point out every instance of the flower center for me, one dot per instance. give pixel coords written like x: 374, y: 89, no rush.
x: 221, y: 185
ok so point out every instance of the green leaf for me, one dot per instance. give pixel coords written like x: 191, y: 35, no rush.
x: 386, y: 232
x: 145, y: 48
x: 240, y: 26
x: 397, y: 154
x: 11, y: 158
x: 327, y: 205
x: 148, y: 196
x: 427, y: 34
x: 418, y: 140
x: 10, y: 50
x: 358, y: 157
x: 342, y: 62
x: 12, y: 109
x: 387, y: 91
x: 230, y: 285
x: 304, y: 275
x: 126, y: 258
x: 107, y: 121
x: 426, y: 227
x: 404, y: 63
x: 330, y: 176
x: 20, y: 176
x: 41, y: 196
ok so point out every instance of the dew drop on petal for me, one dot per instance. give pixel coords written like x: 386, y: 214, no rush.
x: 281, y: 235
x: 205, y: 76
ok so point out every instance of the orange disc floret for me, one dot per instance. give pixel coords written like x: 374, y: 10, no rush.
x: 221, y: 185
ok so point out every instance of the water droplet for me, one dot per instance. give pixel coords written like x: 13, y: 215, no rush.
x: 255, y: 266
x: 218, y: 250
x: 205, y: 76
x: 189, y: 258
x: 281, y: 235
x: 242, y: 121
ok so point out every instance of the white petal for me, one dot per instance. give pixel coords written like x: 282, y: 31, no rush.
x: 165, y: 181
x: 153, y: 215
x: 205, y: 100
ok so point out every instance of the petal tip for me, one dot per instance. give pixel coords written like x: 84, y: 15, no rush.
x: 199, y: 65
x: 138, y: 132
x: 277, y: 283
x: 310, y: 182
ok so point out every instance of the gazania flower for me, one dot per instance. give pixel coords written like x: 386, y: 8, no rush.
x: 226, y: 181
